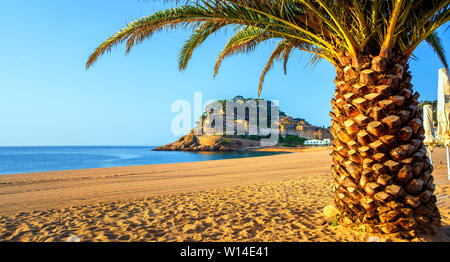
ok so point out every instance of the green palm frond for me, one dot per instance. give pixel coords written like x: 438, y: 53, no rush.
x: 141, y: 29
x: 426, y: 22
x: 435, y: 42
x: 282, y: 50
x: 245, y: 40
x: 325, y: 28
x: 389, y: 36
x: 196, y: 39
x: 327, y: 6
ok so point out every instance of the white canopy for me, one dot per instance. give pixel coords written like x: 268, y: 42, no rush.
x: 443, y: 107
x: 428, y: 125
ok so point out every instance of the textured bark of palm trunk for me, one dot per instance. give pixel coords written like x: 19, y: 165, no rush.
x: 383, y: 177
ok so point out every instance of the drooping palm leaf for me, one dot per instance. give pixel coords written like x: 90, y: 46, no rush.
x: 197, y: 38
x: 282, y: 50
x: 329, y: 27
x: 245, y: 40
x: 435, y: 42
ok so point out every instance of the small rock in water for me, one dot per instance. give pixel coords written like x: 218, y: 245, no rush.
x: 73, y: 239
x: 373, y: 239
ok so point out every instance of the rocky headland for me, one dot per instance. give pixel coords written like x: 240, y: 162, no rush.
x: 292, y: 131
x: 191, y: 142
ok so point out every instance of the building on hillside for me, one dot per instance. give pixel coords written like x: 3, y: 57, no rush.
x: 301, y: 128
x: 318, y: 142
x: 287, y: 124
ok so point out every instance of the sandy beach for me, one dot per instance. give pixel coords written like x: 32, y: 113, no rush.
x: 269, y: 198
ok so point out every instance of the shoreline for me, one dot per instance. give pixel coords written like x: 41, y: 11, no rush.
x: 145, y: 158
x: 268, y: 198
x: 54, y: 189
x: 275, y: 149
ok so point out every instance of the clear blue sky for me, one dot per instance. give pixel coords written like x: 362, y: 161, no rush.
x: 48, y: 98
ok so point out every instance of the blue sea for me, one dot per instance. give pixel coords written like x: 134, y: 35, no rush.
x: 39, y: 159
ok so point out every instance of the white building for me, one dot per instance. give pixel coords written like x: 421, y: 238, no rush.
x: 317, y: 142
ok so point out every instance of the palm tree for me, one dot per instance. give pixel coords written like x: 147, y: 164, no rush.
x: 382, y: 174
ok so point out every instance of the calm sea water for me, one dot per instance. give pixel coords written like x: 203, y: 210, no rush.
x: 40, y: 159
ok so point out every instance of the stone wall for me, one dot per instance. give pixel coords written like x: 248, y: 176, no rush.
x: 205, y: 140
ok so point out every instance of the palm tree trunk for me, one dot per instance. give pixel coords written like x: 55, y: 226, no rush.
x: 383, y: 177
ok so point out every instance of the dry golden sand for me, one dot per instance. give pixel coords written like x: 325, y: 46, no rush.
x: 272, y: 198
